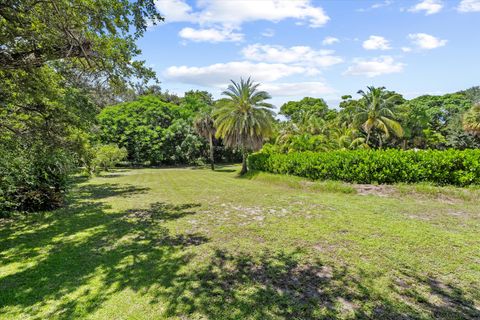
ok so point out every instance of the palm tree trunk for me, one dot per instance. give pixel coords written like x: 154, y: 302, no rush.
x: 368, y: 138
x: 244, y: 163
x: 212, y: 159
x: 380, y: 140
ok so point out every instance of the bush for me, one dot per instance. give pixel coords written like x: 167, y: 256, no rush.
x: 33, y: 179
x: 106, y: 157
x: 453, y: 167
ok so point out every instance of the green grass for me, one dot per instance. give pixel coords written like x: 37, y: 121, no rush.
x: 195, y: 244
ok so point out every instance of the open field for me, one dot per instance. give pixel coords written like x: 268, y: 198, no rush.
x: 195, y: 244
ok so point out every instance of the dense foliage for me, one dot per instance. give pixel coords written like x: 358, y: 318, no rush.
x: 378, y: 119
x: 376, y: 166
x: 60, y: 61
x: 155, y: 132
x: 32, y: 178
x: 107, y: 157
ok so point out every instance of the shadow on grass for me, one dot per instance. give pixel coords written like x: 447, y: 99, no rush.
x: 249, y: 175
x: 227, y: 168
x: 81, y: 256
x: 279, y: 286
x: 79, y: 243
x: 105, y: 190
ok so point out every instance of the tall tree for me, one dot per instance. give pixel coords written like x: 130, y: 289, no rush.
x: 308, y: 107
x: 205, y: 126
x: 244, y: 119
x: 375, y: 110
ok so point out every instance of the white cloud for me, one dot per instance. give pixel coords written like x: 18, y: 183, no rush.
x: 175, y: 10
x: 374, y: 67
x: 219, y: 74
x: 329, y: 41
x: 210, y: 35
x: 313, y: 88
x: 236, y: 12
x: 268, y: 33
x: 377, y: 5
x: 406, y: 49
x: 469, y: 6
x: 429, y: 6
x: 225, y: 16
x: 376, y: 43
x: 240, y: 11
x: 298, y: 55
x: 426, y: 41
x: 385, y: 3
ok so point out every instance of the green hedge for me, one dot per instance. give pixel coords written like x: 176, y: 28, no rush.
x: 376, y: 166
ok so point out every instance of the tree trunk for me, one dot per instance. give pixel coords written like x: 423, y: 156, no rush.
x: 380, y: 140
x: 212, y: 159
x: 368, y: 138
x: 244, y: 163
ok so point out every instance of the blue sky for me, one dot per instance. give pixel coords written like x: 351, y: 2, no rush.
x: 316, y: 48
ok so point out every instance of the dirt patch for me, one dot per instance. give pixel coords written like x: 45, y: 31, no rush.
x: 461, y: 214
x: 378, y: 190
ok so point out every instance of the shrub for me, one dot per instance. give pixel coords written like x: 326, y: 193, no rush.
x: 453, y: 167
x: 106, y: 157
x: 33, y: 179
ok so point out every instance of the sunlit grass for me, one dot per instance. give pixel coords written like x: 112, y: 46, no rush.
x: 196, y: 244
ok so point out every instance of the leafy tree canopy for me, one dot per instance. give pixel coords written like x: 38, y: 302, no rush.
x: 152, y: 131
x: 307, y: 107
x: 90, y: 36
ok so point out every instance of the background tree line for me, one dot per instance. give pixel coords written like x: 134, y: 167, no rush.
x: 381, y: 119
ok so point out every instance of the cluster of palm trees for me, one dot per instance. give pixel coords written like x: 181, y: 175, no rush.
x: 243, y: 120
x: 352, y: 128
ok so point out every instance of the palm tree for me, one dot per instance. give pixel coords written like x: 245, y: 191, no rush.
x: 347, y: 138
x: 375, y: 111
x: 471, y: 120
x: 205, y: 127
x: 244, y: 119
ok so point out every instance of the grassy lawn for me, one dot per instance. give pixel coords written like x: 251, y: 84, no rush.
x: 196, y: 244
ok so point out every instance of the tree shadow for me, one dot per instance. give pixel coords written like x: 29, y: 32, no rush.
x: 279, y: 285
x: 269, y: 286
x: 249, y: 175
x: 440, y: 299
x: 226, y: 170
x: 124, y: 249
x: 164, y: 211
x: 106, y: 190
x: 80, y: 256
x: 114, y: 173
